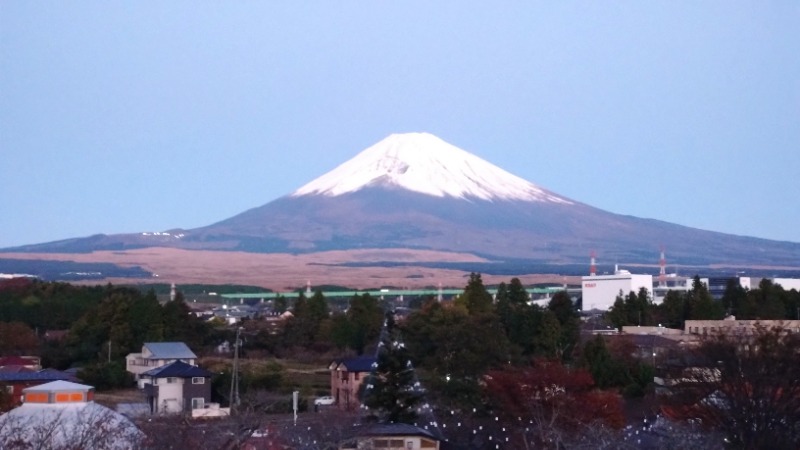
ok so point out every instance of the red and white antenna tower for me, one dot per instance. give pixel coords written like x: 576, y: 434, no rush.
x: 592, y: 265
x: 662, y: 271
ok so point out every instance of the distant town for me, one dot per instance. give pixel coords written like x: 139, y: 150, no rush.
x: 623, y: 360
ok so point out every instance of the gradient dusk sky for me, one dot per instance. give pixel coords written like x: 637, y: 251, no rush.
x: 145, y: 116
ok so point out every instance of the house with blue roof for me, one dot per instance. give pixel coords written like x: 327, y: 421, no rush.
x: 177, y: 387
x: 157, y: 354
x: 15, y: 380
x: 347, y: 375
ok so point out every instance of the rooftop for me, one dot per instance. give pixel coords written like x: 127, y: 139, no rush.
x: 178, y: 369
x: 169, y: 350
x: 358, y: 364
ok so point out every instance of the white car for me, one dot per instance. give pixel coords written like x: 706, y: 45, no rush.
x: 324, y: 401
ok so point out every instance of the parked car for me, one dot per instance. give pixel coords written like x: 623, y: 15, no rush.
x: 324, y: 401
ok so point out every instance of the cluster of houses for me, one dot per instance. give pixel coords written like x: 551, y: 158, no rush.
x: 50, y: 404
x: 170, y: 381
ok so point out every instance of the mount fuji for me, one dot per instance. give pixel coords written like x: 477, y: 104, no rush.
x: 415, y: 191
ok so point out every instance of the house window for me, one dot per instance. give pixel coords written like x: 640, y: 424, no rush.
x: 171, y: 380
x: 357, y: 374
x: 198, y: 380
x: 198, y: 403
x: 9, y: 389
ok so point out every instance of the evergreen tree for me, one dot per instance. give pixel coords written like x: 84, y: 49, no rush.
x: 279, y: 305
x: 146, y: 314
x: 301, y: 329
x: 569, y: 323
x: 476, y: 298
x: 181, y: 325
x: 300, y: 308
x: 517, y: 295
x: 519, y: 319
x: 341, y: 331
x: 734, y: 298
x: 364, y: 316
x: 549, y: 334
x: 597, y: 359
x: 701, y: 305
x: 318, y: 307
x: 770, y: 299
x: 391, y: 393
x: 673, y: 309
x: 504, y: 309
x: 618, y: 314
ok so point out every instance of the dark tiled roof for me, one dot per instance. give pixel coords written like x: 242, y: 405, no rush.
x: 41, y: 375
x: 178, y: 369
x: 359, y: 364
x: 15, y: 369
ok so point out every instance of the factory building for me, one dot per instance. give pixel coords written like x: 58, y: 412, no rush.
x: 600, y: 291
x: 788, y: 283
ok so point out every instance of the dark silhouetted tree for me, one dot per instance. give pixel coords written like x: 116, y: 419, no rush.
x: 475, y: 298
x: 700, y: 304
x: 390, y: 390
x: 365, y: 316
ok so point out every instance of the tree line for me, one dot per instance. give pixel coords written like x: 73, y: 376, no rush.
x: 769, y: 301
x: 104, y: 323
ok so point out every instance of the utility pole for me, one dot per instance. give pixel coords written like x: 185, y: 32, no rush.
x: 234, y: 398
x: 109, y: 350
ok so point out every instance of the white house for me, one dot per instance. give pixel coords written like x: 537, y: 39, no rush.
x: 157, y: 354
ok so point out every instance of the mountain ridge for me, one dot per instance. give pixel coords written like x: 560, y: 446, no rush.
x: 368, y: 202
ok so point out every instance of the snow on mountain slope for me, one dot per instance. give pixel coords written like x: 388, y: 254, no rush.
x: 421, y: 162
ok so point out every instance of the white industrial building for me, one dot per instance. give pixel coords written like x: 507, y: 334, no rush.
x: 600, y: 291
x: 788, y: 283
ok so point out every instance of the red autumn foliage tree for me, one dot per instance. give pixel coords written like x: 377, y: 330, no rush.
x: 552, y: 405
x: 16, y: 338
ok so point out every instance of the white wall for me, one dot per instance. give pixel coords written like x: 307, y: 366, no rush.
x: 787, y: 283
x: 599, y: 292
x: 170, y: 396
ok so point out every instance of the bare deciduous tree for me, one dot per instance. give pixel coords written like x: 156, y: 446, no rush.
x: 67, y: 428
x: 744, y: 385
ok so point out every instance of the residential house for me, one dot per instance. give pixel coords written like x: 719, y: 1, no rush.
x: 346, y: 379
x: 62, y: 414
x: 15, y: 379
x: 157, y: 354
x: 176, y: 388
x: 393, y: 436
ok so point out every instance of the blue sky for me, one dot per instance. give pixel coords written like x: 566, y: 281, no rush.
x: 145, y: 116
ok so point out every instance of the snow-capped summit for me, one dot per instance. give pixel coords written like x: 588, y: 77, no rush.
x: 421, y: 162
